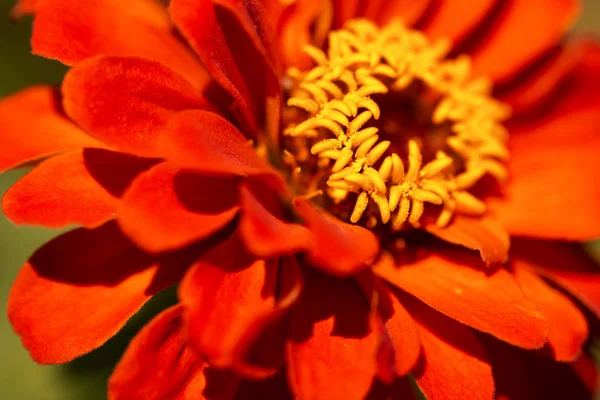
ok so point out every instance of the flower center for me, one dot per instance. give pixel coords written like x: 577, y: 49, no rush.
x: 349, y: 144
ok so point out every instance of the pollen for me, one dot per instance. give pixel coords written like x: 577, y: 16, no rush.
x: 336, y: 120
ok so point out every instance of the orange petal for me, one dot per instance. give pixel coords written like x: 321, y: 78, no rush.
x: 24, y: 7
x: 524, y: 375
x: 453, y: 364
x: 231, y: 298
x: 331, y: 352
x: 158, y: 361
x: 232, y: 54
x: 32, y: 126
x: 399, y: 324
x: 266, y: 235
x: 72, y: 31
x: 568, y: 327
x: 76, y: 188
x: 567, y: 264
x: 455, y: 19
x: 166, y: 208
x: 297, y: 28
x: 553, y: 189
x: 504, y: 52
x: 536, y: 90
x: 408, y: 11
x: 484, y: 234
x: 204, y: 141
x: 125, y: 101
x: 490, y: 301
x: 340, y: 248
x: 78, y: 290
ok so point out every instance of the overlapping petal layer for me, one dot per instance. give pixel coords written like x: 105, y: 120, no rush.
x: 50, y: 132
x: 95, y: 277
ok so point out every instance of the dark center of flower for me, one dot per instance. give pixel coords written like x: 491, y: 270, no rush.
x: 385, y: 124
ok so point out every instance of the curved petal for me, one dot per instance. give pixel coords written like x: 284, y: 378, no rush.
x: 125, y: 101
x: 408, y: 11
x: 340, y: 248
x: 78, y: 290
x: 231, y: 298
x: 453, y: 363
x: 331, y: 350
x: 296, y: 30
x: 24, y: 7
x: 455, y: 19
x: 537, y: 89
x: 166, y: 208
x: 72, y: 31
x: 490, y: 301
x: 568, y: 327
x: 232, y: 53
x: 523, y: 375
x: 344, y: 10
x: 504, y: 52
x: 157, y: 362
x: 567, y: 264
x: 399, y: 324
x: 484, y: 234
x: 264, y: 234
x: 33, y: 125
x: 204, y: 141
x: 548, y: 198
x: 75, y: 188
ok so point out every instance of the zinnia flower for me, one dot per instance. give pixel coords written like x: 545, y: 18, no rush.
x: 335, y: 184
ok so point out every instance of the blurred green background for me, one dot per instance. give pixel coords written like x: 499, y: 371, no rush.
x: 85, y: 378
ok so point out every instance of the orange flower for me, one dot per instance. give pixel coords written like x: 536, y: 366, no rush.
x: 272, y: 183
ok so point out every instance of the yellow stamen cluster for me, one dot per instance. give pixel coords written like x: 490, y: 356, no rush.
x: 362, y: 61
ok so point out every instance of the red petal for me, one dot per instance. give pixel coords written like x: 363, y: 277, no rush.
x: 32, y: 125
x: 79, y: 289
x: 536, y: 90
x: 157, y: 362
x: 344, y: 10
x: 340, y: 248
x: 231, y: 50
x: 453, y: 363
x: 331, y: 352
x: 455, y: 19
x: 204, y: 141
x: 263, y: 232
x: 73, y: 31
x: 75, y: 188
x: 586, y: 370
x: 490, y: 301
x: 523, y: 375
x: 398, y: 322
x: 231, y: 298
x: 484, y: 234
x: 567, y: 264
x: 166, y: 208
x: 568, y: 327
x: 124, y: 101
x: 553, y: 190
x: 504, y: 51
